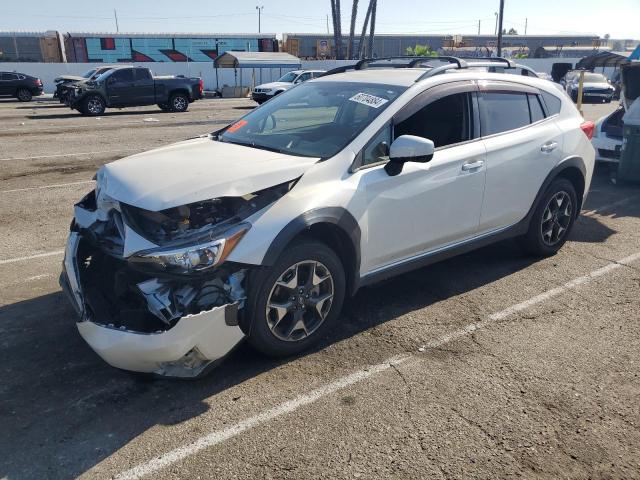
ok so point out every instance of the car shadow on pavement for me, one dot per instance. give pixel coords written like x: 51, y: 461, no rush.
x: 117, y: 113
x: 63, y: 410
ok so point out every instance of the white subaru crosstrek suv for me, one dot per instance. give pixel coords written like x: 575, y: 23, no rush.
x: 262, y: 229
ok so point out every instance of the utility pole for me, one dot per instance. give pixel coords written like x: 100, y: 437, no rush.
x: 500, y: 19
x: 259, y: 9
x: 328, y: 24
x: 496, y: 29
x: 478, y: 27
x: 115, y: 15
x: 526, y: 23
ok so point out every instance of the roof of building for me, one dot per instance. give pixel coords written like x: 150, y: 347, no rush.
x: 232, y: 59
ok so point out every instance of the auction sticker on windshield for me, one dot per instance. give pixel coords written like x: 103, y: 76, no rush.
x: 369, y: 100
x: 237, y: 126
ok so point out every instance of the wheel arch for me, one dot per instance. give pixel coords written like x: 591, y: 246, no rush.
x: 335, y: 227
x: 573, y: 169
x: 182, y: 90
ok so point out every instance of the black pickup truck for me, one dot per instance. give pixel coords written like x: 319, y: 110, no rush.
x: 134, y: 86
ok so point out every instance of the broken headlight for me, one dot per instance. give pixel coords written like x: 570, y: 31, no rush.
x: 193, y: 258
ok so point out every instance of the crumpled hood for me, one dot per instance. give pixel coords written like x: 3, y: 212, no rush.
x: 68, y: 78
x: 273, y: 85
x: 196, y: 170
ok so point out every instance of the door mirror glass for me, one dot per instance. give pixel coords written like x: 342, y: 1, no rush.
x: 408, y: 148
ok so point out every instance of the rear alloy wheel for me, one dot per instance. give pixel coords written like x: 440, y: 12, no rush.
x: 93, y: 105
x: 24, y: 95
x: 553, y: 219
x: 296, y: 301
x: 179, y: 102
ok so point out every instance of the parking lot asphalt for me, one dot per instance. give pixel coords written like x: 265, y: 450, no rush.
x: 489, y: 365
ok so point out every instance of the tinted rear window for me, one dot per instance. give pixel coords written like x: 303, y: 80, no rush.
x: 142, y: 74
x: 503, y: 111
x: 552, y: 102
x: 124, y: 75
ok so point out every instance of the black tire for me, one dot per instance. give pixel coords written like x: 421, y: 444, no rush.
x: 164, y: 107
x: 538, y: 241
x: 266, y: 329
x: 93, y: 105
x: 179, y: 102
x: 24, y: 95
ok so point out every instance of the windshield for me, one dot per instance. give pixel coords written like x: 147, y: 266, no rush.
x: 289, y: 77
x: 314, y: 119
x: 594, y: 78
x: 89, y: 73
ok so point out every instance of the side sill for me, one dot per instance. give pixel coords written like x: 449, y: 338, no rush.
x: 430, y: 258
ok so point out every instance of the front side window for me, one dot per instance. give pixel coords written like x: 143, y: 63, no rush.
x: 445, y: 121
x: 124, y: 75
x: 288, y: 77
x: 503, y: 111
x: 377, y: 150
x: 315, y: 119
x: 303, y: 78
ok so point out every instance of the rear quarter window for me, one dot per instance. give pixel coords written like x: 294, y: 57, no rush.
x: 552, y: 103
x: 503, y: 111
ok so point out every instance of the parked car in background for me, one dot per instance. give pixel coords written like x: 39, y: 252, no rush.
x: 608, y: 135
x: 64, y: 82
x: 263, y: 228
x: 19, y: 85
x: 121, y: 87
x: 265, y: 91
x: 595, y: 87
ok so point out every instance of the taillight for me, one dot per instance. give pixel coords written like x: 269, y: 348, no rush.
x: 588, y: 128
x: 201, y: 86
x: 38, y: 82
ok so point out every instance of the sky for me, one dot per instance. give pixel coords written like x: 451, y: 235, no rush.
x: 618, y: 18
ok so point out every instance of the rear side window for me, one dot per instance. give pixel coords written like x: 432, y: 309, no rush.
x: 503, y: 111
x: 552, y: 102
x: 142, y: 74
x: 9, y: 76
x: 537, y: 112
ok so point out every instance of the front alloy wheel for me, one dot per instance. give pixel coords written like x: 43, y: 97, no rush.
x: 300, y: 301
x: 292, y: 304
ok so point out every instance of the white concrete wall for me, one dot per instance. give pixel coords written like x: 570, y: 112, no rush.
x: 48, y: 71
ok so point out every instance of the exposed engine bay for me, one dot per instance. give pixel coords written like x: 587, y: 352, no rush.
x: 159, y: 277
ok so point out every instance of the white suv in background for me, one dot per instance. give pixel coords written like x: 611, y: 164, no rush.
x: 264, y: 92
x: 262, y: 229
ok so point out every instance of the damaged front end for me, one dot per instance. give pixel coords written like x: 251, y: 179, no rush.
x: 152, y: 289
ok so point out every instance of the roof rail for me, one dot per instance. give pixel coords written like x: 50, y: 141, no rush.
x: 509, y: 64
x: 414, y: 61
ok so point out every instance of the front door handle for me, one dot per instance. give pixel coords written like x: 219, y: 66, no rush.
x: 472, y: 166
x: 548, y: 147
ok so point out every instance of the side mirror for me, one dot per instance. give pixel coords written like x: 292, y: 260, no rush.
x: 408, y: 148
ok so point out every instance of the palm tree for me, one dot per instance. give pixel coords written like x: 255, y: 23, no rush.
x: 352, y: 31
x: 337, y: 27
x: 361, y: 49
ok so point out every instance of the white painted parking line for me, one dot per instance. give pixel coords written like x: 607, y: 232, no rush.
x: 57, y: 185
x: 599, y: 210
x: 59, y: 155
x: 31, y: 257
x: 219, y: 436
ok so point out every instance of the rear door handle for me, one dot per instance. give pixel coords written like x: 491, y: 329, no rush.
x: 548, y: 147
x: 472, y: 165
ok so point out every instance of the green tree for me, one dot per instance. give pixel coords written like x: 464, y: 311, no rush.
x: 421, y: 51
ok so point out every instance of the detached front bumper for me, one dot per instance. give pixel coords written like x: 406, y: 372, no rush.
x: 260, y: 97
x: 185, y: 349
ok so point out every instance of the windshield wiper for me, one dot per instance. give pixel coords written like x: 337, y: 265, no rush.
x: 253, y: 145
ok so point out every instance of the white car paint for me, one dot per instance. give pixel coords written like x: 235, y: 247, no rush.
x: 196, y: 170
x: 465, y: 191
